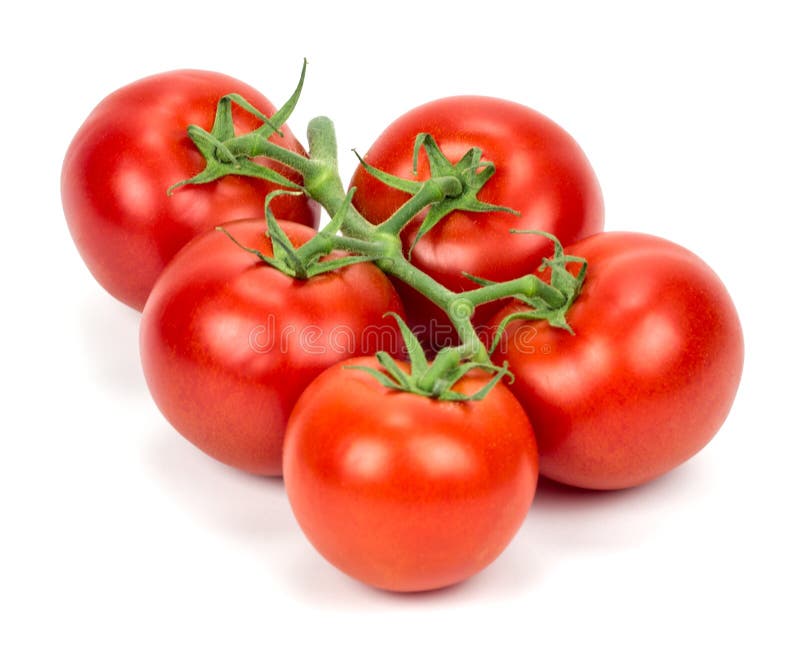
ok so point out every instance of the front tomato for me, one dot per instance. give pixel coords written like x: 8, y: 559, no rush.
x: 540, y: 171
x: 649, y: 375
x: 228, y: 343
x: 126, y: 155
x: 404, y: 492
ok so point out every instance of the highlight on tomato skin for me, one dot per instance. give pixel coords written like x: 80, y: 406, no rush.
x: 541, y: 172
x: 650, y: 374
x: 130, y: 150
x: 404, y: 492
x: 257, y: 348
x: 228, y: 343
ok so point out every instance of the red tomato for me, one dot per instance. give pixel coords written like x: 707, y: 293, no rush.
x: 541, y: 172
x: 650, y: 374
x: 404, y: 492
x: 228, y: 343
x: 132, y: 147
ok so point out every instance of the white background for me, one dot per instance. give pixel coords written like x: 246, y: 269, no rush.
x: 118, y: 534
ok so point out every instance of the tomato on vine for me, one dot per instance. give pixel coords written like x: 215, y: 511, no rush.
x: 647, y: 378
x: 132, y: 148
x: 527, y: 163
x: 401, y: 490
x: 229, y: 338
x: 623, y: 351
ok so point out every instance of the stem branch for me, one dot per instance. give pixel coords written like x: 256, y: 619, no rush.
x: 431, y: 191
x: 254, y: 144
x: 527, y: 285
x: 382, y: 244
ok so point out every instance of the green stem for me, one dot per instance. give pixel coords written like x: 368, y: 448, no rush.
x: 451, y: 187
x: 322, y: 179
x: 382, y: 243
x: 322, y: 245
x: 459, y: 312
x: 431, y: 191
x: 254, y: 144
x: 373, y: 249
x: 444, y: 363
x: 325, y: 186
x: 527, y: 285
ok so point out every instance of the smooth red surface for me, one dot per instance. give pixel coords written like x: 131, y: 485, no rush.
x: 650, y: 374
x: 228, y: 343
x: 540, y: 171
x: 131, y: 148
x: 403, y: 492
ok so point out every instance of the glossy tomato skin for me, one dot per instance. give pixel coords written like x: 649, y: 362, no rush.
x: 228, y: 343
x: 650, y: 374
x: 402, y: 492
x: 540, y: 171
x: 131, y: 148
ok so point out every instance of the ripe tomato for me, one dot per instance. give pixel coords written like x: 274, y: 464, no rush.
x: 650, y: 374
x: 540, y: 171
x: 131, y: 148
x: 404, y: 492
x: 228, y: 343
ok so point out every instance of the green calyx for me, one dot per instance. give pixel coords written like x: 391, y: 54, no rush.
x: 569, y: 285
x: 463, y: 179
x: 436, y: 379
x: 306, y: 261
x: 226, y: 154
x: 451, y: 186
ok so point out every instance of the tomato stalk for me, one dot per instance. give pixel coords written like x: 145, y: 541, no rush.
x: 528, y: 286
x: 451, y: 187
x: 431, y: 191
x: 254, y: 144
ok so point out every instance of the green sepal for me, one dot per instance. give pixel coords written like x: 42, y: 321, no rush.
x: 303, y: 262
x: 390, y: 365
x: 499, y: 373
x: 501, y: 328
x: 335, y: 224
x: 568, y: 284
x: 223, y: 118
x: 325, y: 241
x: 436, y: 379
x: 327, y: 266
x: 395, y: 182
x: 219, y: 160
x: 477, y: 280
x: 282, y: 248
x: 284, y: 255
x: 271, y: 261
x: 560, y: 277
x: 470, y: 170
x: 556, y: 316
x: 285, y: 111
x: 416, y: 353
x: 377, y: 374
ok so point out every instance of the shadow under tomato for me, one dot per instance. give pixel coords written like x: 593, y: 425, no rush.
x: 565, y: 520
x: 514, y: 572
x: 252, y: 509
x: 313, y: 579
x: 110, y: 342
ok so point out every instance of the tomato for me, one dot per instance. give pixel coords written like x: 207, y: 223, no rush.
x: 404, y: 492
x: 650, y: 374
x: 130, y: 150
x: 540, y: 171
x: 228, y: 343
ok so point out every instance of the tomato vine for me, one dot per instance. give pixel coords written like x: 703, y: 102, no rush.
x: 451, y: 187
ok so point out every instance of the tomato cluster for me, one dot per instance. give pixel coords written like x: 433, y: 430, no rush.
x: 258, y: 340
